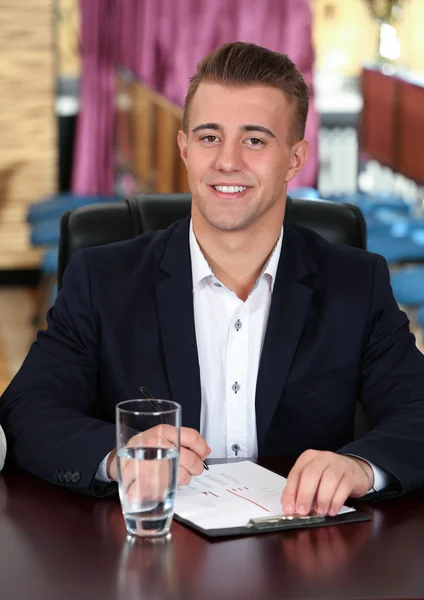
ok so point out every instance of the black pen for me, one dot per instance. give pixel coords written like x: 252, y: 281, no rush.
x: 157, y: 408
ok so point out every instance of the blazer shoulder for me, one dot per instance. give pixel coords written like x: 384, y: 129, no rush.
x: 126, y: 256
x: 330, y: 254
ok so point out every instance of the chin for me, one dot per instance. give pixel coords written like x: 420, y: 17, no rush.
x: 224, y: 218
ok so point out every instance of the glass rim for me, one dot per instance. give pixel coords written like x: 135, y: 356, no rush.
x: 176, y: 407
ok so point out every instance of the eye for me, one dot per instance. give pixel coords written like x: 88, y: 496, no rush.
x: 209, y: 138
x: 254, y: 142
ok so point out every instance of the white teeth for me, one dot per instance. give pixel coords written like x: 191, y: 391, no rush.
x: 229, y: 189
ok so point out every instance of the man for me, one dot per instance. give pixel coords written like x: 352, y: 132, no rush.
x: 265, y: 333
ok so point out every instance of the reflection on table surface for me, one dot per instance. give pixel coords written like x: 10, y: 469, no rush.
x: 70, y: 546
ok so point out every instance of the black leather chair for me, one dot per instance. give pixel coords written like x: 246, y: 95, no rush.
x: 113, y: 222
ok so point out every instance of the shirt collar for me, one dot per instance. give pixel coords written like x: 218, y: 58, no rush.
x: 201, y: 270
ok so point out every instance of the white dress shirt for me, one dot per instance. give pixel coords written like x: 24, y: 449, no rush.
x: 230, y: 335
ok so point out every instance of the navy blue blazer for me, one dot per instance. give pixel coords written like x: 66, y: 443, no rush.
x: 124, y: 318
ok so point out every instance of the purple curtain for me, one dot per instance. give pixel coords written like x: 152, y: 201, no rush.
x: 161, y: 42
x: 93, y: 171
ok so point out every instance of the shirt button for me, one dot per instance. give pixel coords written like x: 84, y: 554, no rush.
x: 216, y: 284
x: 235, y: 448
x: 235, y: 387
x: 238, y: 325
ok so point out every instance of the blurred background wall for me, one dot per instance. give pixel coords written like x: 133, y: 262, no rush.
x: 346, y: 35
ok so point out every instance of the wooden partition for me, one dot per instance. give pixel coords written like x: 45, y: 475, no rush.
x: 146, y: 138
x: 28, y: 152
x: 392, y: 124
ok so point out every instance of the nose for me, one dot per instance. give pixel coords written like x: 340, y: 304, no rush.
x: 229, y: 157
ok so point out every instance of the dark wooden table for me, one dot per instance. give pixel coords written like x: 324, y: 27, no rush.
x: 57, y: 545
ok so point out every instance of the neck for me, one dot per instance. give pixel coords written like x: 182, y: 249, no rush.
x: 236, y: 257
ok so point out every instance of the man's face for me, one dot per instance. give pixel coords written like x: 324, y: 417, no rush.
x: 238, y: 155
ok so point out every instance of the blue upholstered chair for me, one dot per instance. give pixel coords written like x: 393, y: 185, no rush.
x: 304, y: 193
x: 44, y: 216
x: 53, y: 207
x: 369, y: 203
x: 403, y: 249
x: 408, y: 286
x: 45, y: 232
x: 50, y: 261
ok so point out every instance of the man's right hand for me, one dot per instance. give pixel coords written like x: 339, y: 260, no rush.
x: 193, y: 450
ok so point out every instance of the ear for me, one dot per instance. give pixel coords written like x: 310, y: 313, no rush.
x: 299, y: 157
x: 182, y: 144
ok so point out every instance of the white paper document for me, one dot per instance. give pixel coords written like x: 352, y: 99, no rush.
x: 229, y: 495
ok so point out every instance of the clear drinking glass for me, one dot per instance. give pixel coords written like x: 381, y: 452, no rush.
x: 148, y: 453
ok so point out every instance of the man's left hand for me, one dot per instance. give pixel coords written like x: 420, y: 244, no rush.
x: 323, y: 481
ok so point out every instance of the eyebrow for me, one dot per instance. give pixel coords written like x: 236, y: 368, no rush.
x: 217, y: 127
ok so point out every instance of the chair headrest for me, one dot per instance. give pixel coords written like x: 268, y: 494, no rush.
x: 117, y: 221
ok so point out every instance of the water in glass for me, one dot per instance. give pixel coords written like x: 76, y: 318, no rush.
x: 147, y: 485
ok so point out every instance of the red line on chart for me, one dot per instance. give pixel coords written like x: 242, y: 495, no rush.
x: 246, y: 488
x: 216, y: 495
x: 248, y: 499
x: 206, y: 493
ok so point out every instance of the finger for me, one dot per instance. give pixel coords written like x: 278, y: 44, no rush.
x: 328, y: 485
x: 341, y: 495
x: 191, y: 462
x: 164, y: 436
x: 184, y: 476
x: 147, y: 481
x: 191, y: 439
x: 308, y: 487
x: 288, y: 499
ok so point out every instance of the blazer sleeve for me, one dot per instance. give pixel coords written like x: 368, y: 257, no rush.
x: 45, y: 411
x: 392, y: 390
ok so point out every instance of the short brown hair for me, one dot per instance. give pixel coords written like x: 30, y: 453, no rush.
x: 240, y: 64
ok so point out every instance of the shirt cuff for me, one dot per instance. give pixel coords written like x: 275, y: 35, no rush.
x: 3, y: 447
x: 381, y: 478
x: 101, y: 473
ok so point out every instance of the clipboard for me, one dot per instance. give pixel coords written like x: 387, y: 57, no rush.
x: 277, y: 523
x: 243, y: 498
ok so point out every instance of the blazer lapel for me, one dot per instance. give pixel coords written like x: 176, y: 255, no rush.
x: 290, y: 301
x: 174, y: 296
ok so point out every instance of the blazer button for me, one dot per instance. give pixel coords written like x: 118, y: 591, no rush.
x: 76, y: 476
x: 61, y: 476
x: 68, y: 476
x: 56, y: 475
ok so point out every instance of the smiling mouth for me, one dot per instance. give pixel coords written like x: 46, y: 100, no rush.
x: 229, y: 189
